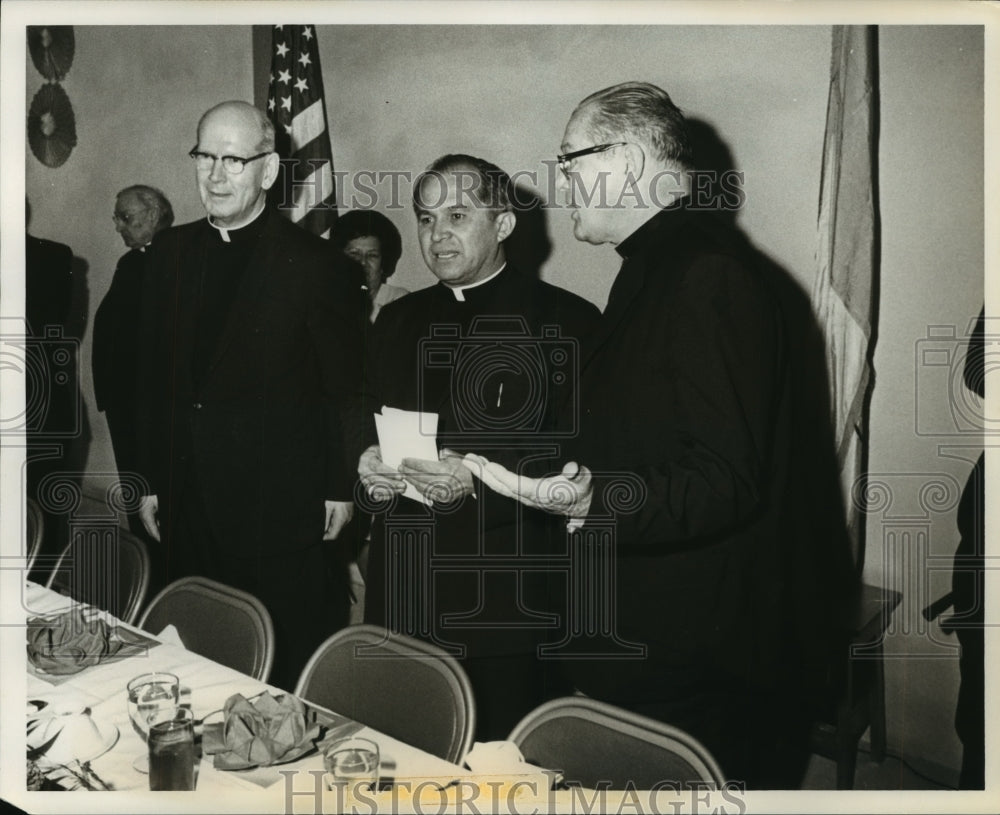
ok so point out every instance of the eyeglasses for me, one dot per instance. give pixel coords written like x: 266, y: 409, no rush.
x: 564, y: 159
x: 126, y: 217
x: 233, y: 165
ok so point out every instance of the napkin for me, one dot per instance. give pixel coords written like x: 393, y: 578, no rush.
x: 68, y: 643
x: 170, y: 635
x: 504, y: 758
x: 268, y: 730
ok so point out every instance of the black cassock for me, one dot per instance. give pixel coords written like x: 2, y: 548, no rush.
x: 472, y: 575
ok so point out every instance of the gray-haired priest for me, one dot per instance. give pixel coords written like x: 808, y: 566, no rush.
x: 686, y: 393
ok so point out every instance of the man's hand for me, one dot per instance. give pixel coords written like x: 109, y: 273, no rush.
x: 149, y: 508
x: 568, y: 493
x: 380, y: 481
x: 442, y: 481
x: 338, y: 515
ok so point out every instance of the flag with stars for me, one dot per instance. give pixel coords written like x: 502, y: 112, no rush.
x: 305, y: 191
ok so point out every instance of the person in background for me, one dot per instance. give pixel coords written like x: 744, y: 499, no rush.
x: 140, y: 213
x: 968, y: 585
x: 53, y: 409
x: 371, y: 240
x: 251, y: 387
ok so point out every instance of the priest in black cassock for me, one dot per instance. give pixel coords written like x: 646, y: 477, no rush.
x: 251, y: 379
x: 493, y: 352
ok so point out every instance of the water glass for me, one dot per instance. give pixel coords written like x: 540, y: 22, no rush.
x: 171, y: 750
x: 148, y: 695
x: 352, y: 761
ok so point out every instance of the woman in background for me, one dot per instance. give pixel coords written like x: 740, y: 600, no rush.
x: 371, y: 239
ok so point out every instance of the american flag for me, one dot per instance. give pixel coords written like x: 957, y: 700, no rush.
x: 305, y: 191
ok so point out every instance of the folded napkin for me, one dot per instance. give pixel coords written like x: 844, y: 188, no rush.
x: 68, y: 643
x: 269, y: 730
x: 504, y: 758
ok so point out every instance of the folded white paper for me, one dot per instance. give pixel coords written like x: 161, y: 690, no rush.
x: 407, y: 434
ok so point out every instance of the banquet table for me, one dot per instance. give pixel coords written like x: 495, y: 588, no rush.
x: 206, y: 685
x: 412, y: 781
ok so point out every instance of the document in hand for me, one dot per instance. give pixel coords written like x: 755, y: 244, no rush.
x: 407, y: 434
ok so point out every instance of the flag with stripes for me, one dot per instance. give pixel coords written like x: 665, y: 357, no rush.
x: 847, y: 253
x: 305, y: 191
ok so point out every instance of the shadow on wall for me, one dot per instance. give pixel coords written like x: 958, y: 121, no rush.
x: 56, y: 422
x: 819, y: 549
x: 529, y: 246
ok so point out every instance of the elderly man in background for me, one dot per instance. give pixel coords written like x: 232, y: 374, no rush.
x: 252, y: 381
x: 140, y: 213
x: 687, y: 388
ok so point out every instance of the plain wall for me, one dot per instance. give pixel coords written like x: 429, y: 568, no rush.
x: 400, y: 96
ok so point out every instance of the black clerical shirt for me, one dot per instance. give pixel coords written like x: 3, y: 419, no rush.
x: 223, y: 264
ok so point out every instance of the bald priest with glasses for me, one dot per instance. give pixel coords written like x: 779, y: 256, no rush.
x: 250, y: 393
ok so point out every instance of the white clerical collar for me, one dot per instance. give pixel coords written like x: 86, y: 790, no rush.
x: 225, y: 230
x: 458, y: 291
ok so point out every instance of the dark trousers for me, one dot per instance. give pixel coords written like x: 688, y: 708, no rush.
x: 121, y: 426
x: 506, y: 688
x: 758, y: 737
x: 306, y: 591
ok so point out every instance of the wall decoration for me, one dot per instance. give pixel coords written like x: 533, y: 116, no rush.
x: 51, y: 48
x: 51, y: 125
x: 51, y: 122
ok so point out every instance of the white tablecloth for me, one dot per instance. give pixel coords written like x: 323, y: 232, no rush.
x: 208, y: 684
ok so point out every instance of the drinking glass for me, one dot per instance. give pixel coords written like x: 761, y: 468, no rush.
x: 354, y: 760
x: 171, y: 750
x: 148, y: 695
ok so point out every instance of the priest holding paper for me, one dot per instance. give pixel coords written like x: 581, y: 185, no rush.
x: 481, y: 362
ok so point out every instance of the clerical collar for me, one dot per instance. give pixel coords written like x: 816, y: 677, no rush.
x: 650, y: 228
x: 228, y: 233
x: 459, y: 291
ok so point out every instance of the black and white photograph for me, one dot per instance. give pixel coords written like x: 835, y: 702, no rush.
x: 497, y: 406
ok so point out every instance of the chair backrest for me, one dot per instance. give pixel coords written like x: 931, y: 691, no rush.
x: 592, y: 742
x: 406, y: 688
x: 107, y: 568
x: 35, y: 531
x: 225, y: 624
